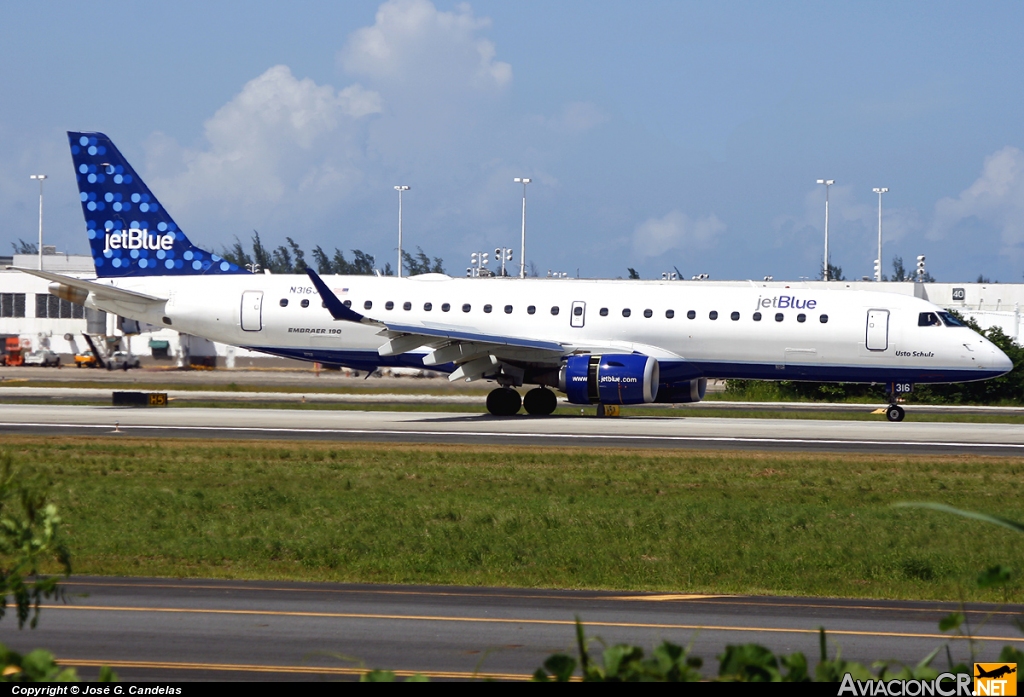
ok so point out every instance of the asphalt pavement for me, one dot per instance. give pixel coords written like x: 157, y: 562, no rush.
x: 583, y: 431
x: 164, y: 629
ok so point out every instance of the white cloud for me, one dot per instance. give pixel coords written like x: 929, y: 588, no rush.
x: 287, y: 153
x: 278, y: 135
x: 413, y: 43
x: 996, y: 198
x: 675, y: 230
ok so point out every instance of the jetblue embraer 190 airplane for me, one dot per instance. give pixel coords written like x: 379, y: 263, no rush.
x: 599, y: 342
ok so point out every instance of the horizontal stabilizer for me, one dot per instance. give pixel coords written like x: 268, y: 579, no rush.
x: 98, y: 289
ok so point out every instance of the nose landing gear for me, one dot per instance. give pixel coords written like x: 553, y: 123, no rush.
x: 504, y: 401
x: 894, y: 413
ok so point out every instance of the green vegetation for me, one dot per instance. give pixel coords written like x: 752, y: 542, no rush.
x: 30, y: 540
x: 739, y: 663
x: 289, y: 258
x: 714, y: 522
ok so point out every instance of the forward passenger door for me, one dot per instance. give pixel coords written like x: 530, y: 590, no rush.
x: 877, y: 332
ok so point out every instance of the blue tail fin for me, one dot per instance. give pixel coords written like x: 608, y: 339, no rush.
x: 130, y: 233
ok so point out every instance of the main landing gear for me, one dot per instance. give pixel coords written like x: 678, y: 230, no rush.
x: 504, y: 401
x: 540, y: 402
x: 894, y: 413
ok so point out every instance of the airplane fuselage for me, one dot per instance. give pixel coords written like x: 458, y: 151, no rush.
x: 692, y: 330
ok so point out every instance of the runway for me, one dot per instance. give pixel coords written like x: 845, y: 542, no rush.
x: 581, y: 431
x: 158, y: 629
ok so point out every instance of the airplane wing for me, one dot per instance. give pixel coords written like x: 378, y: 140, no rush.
x: 476, y: 355
x: 101, y: 291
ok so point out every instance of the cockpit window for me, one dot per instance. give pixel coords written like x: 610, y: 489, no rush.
x: 950, y: 320
x: 928, y: 319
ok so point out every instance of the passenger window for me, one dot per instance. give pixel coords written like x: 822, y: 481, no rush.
x: 801, y: 317
x: 928, y: 319
x: 757, y: 316
x: 626, y: 312
x: 284, y: 302
x: 604, y: 312
x: 691, y: 315
x: 465, y: 307
x: 531, y: 309
x: 487, y: 309
x: 368, y: 304
x: 669, y: 314
x: 508, y: 309
x: 305, y: 302
x: 648, y: 313
x: 445, y: 307
x: 577, y: 311
x: 427, y: 307
x: 778, y: 316
x: 406, y: 306
x: 713, y: 314
x: 823, y: 319
x: 347, y: 303
x: 389, y: 305
x: 554, y: 310
x: 734, y: 316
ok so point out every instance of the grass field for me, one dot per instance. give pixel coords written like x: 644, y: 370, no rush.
x: 711, y: 522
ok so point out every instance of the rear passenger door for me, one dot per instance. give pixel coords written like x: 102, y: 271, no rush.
x: 252, y: 311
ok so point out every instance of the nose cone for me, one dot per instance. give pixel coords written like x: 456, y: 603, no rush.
x: 999, y: 360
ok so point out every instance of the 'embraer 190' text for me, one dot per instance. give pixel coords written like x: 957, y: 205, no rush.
x: 134, y: 238
x: 782, y: 302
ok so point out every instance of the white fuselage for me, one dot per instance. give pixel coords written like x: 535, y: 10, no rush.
x: 865, y: 336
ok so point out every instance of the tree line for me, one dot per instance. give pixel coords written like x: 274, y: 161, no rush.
x: 289, y: 258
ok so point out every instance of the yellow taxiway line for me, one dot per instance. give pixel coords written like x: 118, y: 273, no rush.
x: 509, y: 620
x: 721, y: 599
x: 306, y: 670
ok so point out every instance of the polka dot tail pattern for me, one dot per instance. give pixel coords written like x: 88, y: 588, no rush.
x: 130, y: 233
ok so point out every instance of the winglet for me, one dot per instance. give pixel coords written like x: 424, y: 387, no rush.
x: 334, y: 306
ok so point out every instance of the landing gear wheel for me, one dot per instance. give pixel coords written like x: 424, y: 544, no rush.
x: 540, y: 402
x: 504, y: 401
x: 894, y: 413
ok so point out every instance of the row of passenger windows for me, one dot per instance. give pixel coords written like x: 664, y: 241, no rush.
x: 578, y: 311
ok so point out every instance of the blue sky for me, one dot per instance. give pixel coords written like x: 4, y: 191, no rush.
x: 658, y: 134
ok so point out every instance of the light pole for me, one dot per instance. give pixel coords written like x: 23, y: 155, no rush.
x: 878, y: 270
x: 400, y: 189
x: 827, y: 183
x: 503, y: 254
x: 477, y: 261
x: 40, y: 177
x: 522, y: 249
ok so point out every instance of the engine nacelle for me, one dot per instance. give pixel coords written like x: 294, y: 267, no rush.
x: 73, y: 295
x: 610, y: 379
x: 683, y: 392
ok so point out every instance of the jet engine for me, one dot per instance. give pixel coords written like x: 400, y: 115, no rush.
x: 683, y: 392
x: 610, y: 379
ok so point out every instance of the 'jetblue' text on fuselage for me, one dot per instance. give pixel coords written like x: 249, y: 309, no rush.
x: 786, y: 301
